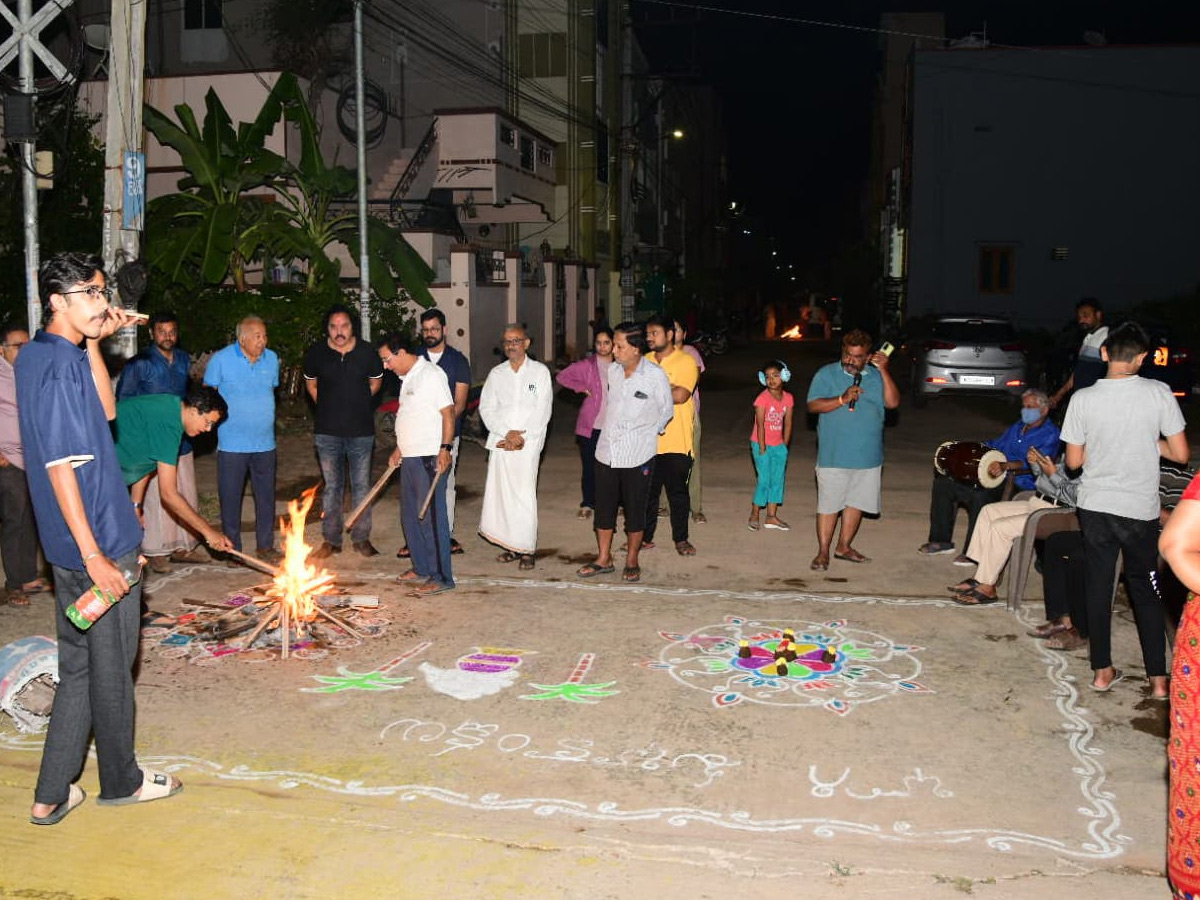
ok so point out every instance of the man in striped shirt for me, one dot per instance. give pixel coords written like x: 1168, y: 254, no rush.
x: 640, y: 406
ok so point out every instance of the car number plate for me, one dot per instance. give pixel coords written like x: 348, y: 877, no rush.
x: 977, y: 379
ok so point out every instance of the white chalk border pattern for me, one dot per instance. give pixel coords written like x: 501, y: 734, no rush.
x: 1104, y: 840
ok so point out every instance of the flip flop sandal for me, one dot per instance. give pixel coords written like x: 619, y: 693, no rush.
x: 974, y: 597
x: 508, y: 557
x: 820, y: 564
x: 631, y: 574
x: 526, y: 563
x: 591, y: 570
x: 777, y: 526
x: 405, y: 553
x: 75, y: 798
x: 455, y: 547
x: 684, y: 548
x: 853, y: 556
x: 37, y: 586
x: 1118, y: 675
x: 959, y: 589
x: 155, y: 786
x: 16, y: 598
x: 753, y: 526
x: 429, y: 588
x: 411, y: 577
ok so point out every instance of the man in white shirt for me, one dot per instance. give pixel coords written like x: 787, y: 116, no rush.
x: 424, y: 440
x: 515, y: 407
x: 640, y: 406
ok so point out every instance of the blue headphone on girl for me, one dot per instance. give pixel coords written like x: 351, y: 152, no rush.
x: 785, y: 374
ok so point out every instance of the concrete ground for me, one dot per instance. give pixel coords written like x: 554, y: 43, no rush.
x: 550, y: 736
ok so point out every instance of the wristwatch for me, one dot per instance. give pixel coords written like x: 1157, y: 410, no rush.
x: 449, y: 448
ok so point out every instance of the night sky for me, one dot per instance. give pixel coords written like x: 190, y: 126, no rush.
x: 800, y: 94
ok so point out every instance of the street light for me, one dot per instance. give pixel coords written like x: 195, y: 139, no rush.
x: 677, y: 134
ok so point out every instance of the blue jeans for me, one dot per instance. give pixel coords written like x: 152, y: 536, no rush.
x: 334, y: 453
x: 429, y: 538
x: 232, y: 469
x: 95, y: 692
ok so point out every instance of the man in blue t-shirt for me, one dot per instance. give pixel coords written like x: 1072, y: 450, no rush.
x: 849, y: 398
x: 90, y: 535
x: 1034, y: 429
x: 458, y: 374
x: 247, y: 373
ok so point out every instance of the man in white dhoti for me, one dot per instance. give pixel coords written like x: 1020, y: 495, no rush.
x: 515, y: 408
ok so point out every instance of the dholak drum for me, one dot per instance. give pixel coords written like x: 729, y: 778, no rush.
x: 968, y: 462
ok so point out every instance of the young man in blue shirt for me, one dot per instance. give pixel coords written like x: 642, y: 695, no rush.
x: 90, y: 535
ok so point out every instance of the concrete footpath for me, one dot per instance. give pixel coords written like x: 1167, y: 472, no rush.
x: 559, y: 737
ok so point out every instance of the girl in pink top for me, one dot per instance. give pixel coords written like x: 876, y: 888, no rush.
x: 769, y: 444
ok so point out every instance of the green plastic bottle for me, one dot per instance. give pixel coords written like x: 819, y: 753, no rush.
x: 94, y: 603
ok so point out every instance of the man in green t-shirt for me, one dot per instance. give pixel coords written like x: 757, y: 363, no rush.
x: 149, y: 429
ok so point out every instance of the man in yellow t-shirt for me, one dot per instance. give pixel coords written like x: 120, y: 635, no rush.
x: 673, y: 462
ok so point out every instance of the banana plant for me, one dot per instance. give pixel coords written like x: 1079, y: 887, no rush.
x: 311, y: 215
x: 214, y: 225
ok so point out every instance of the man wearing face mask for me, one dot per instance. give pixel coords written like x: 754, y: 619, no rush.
x: 1089, y: 367
x: 1033, y: 430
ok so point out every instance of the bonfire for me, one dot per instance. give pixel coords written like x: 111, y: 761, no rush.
x: 290, y: 603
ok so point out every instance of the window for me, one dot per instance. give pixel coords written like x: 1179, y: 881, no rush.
x: 996, y: 269
x: 200, y: 14
x: 544, y: 157
x: 601, y: 153
x: 526, y: 153
x: 543, y: 55
x: 507, y: 135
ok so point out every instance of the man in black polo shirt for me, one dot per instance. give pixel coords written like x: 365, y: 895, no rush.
x: 458, y: 374
x: 342, y: 375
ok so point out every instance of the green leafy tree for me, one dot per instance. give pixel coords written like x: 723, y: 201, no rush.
x: 213, y: 226
x: 312, y: 215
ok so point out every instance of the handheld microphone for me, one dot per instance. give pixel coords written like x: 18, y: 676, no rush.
x: 857, y: 383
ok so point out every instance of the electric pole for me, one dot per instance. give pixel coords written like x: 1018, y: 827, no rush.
x: 124, y: 161
x: 23, y: 43
x: 364, y: 260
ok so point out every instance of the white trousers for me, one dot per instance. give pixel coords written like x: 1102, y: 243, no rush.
x: 996, y: 530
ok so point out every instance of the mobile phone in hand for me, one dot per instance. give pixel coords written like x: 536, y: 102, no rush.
x: 886, y: 348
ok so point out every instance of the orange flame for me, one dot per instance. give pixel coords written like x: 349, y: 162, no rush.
x: 792, y: 334
x: 297, y: 582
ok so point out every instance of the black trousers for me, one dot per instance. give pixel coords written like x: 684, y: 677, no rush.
x: 18, y: 537
x: 1062, y: 578
x: 946, y: 497
x: 671, y: 470
x: 1104, y: 536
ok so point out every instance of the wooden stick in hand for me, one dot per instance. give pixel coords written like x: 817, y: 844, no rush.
x: 370, y: 498
x: 429, y: 497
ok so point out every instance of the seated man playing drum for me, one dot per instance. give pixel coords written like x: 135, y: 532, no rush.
x: 961, y: 480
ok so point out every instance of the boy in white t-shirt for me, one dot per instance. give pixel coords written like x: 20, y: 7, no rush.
x: 1116, y: 431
